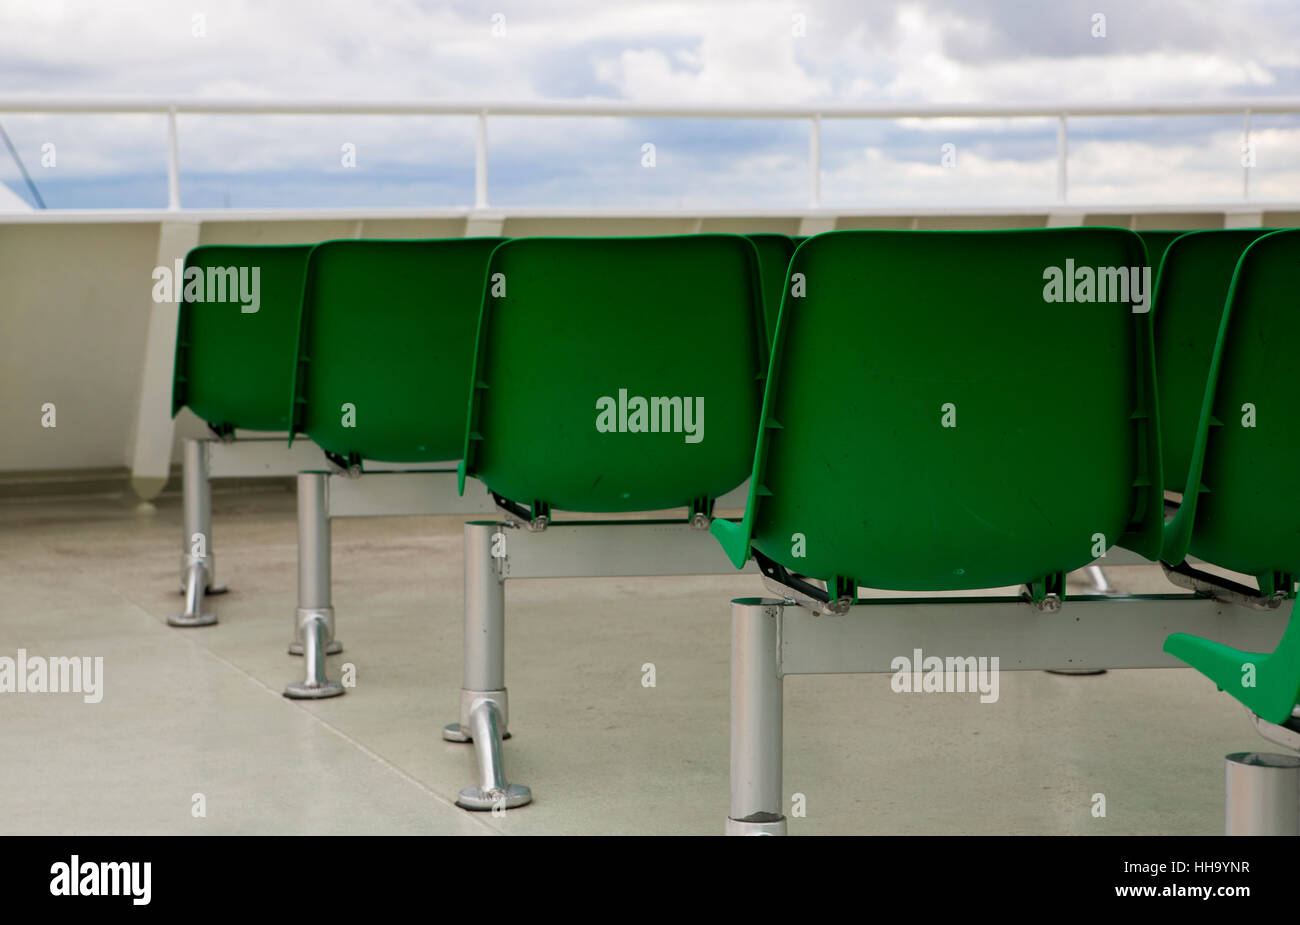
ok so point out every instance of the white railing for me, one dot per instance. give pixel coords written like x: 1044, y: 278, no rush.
x: 814, y: 113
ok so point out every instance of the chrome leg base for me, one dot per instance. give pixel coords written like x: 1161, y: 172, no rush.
x: 480, y: 801
x: 762, y: 827
x: 485, y: 727
x: 314, y: 628
x: 197, y: 578
x: 184, y: 620
x: 452, y: 732
x: 313, y: 690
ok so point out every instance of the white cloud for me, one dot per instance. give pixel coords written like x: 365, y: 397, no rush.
x: 688, y: 52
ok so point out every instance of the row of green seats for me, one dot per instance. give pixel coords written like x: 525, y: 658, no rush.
x: 385, y: 327
x: 232, y: 370
x: 920, y: 402
x: 850, y: 461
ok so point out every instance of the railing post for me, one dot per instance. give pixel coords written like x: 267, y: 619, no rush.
x: 815, y: 159
x: 1062, y: 148
x: 480, y: 163
x: 1246, y: 159
x: 173, y: 163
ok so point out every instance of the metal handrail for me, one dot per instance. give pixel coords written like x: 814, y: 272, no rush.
x: 813, y: 112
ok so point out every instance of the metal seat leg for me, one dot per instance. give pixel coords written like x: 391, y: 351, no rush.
x: 1262, y: 794
x: 197, y: 564
x: 484, y: 707
x: 1101, y: 582
x: 1262, y: 790
x: 314, y: 620
x: 756, y: 716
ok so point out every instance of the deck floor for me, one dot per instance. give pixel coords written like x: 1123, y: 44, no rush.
x: 199, y: 711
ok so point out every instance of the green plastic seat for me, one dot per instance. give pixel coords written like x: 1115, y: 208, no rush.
x: 1192, y: 286
x: 1241, y: 509
x: 385, y: 347
x: 234, y: 368
x: 774, y: 252
x: 617, y: 374
x: 857, y: 480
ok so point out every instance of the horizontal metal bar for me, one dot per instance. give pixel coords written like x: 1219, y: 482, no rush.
x: 1090, y: 632
x: 267, y: 455
x: 261, y: 456
x: 413, y: 492
x: 198, y: 216
x: 596, y: 549
x: 633, y: 109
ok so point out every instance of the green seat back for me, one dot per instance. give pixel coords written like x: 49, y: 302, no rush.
x: 595, y: 358
x: 1241, y: 506
x: 234, y: 368
x: 1193, y: 284
x: 1053, y: 448
x: 774, y: 251
x: 385, y: 347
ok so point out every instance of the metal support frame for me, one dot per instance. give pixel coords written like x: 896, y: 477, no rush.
x: 756, y: 719
x: 495, y: 552
x: 773, y: 638
x: 204, y: 459
x: 198, y: 567
x: 322, y: 495
x: 425, y: 491
x: 314, y: 621
x: 484, y: 703
x: 401, y: 492
x: 380, y: 492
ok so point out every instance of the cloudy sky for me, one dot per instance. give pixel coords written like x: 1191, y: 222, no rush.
x: 807, y: 51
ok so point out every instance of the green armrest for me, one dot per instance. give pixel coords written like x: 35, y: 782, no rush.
x: 1267, y: 683
x: 735, y: 542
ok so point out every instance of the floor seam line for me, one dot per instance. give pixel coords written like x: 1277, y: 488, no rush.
x: 366, y: 750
